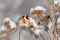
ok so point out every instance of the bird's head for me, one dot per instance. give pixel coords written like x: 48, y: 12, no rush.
x: 26, y: 16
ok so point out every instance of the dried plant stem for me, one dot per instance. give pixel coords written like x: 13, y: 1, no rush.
x: 51, y: 11
x: 55, y: 30
x: 20, y: 33
x: 48, y: 34
x: 42, y: 37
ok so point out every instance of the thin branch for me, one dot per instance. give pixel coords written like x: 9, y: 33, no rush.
x: 42, y: 37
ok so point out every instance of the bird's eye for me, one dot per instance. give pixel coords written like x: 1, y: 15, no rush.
x: 27, y: 17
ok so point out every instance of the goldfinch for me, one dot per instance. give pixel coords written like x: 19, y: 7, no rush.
x: 24, y: 21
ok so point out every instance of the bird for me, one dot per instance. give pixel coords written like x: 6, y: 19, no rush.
x: 46, y: 22
x: 27, y: 21
x: 23, y: 21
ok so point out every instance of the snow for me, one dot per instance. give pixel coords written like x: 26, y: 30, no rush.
x: 7, y: 19
x: 12, y: 24
x: 57, y: 13
x: 31, y: 10
x: 32, y: 29
x: 55, y: 2
x: 3, y: 27
x: 33, y: 22
x: 58, y: 20
x: 37, y: 31
x: 38, y: 8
